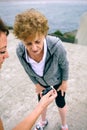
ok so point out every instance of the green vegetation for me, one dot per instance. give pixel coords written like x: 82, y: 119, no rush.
x: 66, y: 37
x: 10, y: 27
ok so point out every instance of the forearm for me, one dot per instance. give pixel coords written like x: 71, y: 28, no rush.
x: 64, y: 81
x: 1, y: 125
x: 29, y: 121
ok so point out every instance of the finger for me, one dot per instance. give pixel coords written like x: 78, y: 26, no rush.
x: 62, y: 92
x: 58, y: 89
x: 53, y: 93
x: 50, y: 93
x: 40, y: 94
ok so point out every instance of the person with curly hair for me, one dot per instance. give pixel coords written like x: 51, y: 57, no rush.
x: 44, y: 59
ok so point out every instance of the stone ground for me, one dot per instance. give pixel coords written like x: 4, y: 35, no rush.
x: 18, y: 97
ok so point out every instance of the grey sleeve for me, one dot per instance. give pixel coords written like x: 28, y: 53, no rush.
x: 63, y: 62
x: 25, y: 66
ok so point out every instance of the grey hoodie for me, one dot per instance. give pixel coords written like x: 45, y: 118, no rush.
x: 56, y: 64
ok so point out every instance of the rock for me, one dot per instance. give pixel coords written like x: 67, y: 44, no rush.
x: 81, y: 37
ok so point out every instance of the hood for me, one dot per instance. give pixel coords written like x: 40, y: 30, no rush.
x: 52, y: 43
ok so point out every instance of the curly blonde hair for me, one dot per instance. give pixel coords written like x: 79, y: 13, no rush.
x: 29, y: 23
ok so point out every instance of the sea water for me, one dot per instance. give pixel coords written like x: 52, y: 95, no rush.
x: 61, y: 16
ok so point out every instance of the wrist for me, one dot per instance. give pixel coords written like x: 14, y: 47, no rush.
x: 40, y: 107
x: 64, y: 81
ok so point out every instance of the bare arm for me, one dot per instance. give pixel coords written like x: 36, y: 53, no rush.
x: 1, y: 125
x: 29, y: 121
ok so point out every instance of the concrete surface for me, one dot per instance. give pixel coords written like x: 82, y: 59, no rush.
x: 18, y: 97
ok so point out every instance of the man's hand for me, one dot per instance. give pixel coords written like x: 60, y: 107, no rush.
x: 63, y: 87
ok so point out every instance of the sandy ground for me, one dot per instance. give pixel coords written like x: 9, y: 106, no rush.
x: 18, y: 97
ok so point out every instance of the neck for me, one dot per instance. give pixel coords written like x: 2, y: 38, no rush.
x: 38, y: 57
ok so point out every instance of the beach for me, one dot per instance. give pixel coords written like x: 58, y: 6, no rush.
x: 18, y: 97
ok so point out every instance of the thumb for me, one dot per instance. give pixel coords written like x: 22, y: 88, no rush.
x: 58, y: 89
